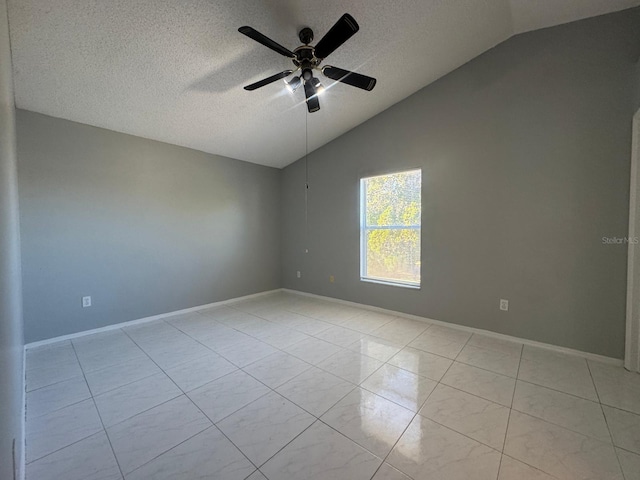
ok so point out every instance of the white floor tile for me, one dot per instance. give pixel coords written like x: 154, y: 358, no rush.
x: 343, y: 337
x: 228, y: 394
x: 298, y: 322
x: 387, y: 472
x: 131, y: 399
x: 142, y: 438
x: 444, y: 347
x: 400, y: 331
x: 151, y: 332
x: 257, y: 475
x: 453, y: 334
x: 247, y: 352
x: 371, y: 421
x: 315, y: 390
x: 488, y: 385
x: 375, y: 347
x: 512, y: 469
x: 196, y: 373
x: 106, y: 349
x: 88, y: 459
x: 176, y: 351
x: 496, y: 344
x: 495, y: 361
x: 313, y: 350
x: 559, y: 452
x: 263, y: 427
x: 277, y: 369
x: 282, y: 337
x: 350, y: 366
x: 565, y: 373
x: 421, y: 363
x: 625, y: 428
x: 568, y: 411
x: 335, y: 314
x: 400, y: 386
x: 54, y: 397
x: 49, y: 433
x: 368, y: 321
x: 430, y: 451
x: 617, y: 387
x: 114, y: 376
x: 50, y: 355
x: 46, y: 375
x: 199, y: 327
x: 472, y: 416
x: 630, y: 463
x: 209, y: 454
x: 226, y: 339
x: 321, y: 453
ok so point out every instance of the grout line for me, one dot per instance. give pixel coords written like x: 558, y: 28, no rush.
x: 104, y: 429
x: 418, y: 408
x: 195, y: 405
x: 606, y: 421
x: 66, y: 446
x: 506, y: 431
x: 528, y: 465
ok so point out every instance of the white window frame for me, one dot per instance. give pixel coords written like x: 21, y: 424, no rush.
x: 364, y: 229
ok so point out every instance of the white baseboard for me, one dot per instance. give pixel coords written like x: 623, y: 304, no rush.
x: 548, y: 346
x: 152, y: 318
x: 533, y: 343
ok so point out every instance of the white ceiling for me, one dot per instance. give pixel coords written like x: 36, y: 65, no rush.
x: 174, y: 70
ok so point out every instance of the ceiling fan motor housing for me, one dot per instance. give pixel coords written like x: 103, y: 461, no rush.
x: 306, y: 35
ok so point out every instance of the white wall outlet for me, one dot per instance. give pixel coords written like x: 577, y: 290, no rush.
x: 298, y: 274
x: 504, y: 304
x: 332, y: 279
x: 86, y: 302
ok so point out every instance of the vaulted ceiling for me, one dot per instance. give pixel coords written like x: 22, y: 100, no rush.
x: 174, y: 70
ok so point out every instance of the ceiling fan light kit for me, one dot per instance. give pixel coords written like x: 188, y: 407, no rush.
x: 307, y: 59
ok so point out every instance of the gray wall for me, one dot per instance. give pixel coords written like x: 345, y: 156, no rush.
x: 525, y: 156
x: 11, y: 335
x: 142, y: 226
x: 637, y: 99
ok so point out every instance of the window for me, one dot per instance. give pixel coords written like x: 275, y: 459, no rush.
x: 390, y: 228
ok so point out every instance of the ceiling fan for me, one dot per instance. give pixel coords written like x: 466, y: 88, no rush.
x: 307, y: 59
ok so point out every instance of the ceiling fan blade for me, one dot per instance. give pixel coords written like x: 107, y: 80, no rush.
x: 268, y: 80
x: 350, y: 78
x: 313, y: 103
x: 266, y: 41
x: 342, y: 31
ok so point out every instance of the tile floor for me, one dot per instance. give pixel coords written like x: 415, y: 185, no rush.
x: 285, y: 387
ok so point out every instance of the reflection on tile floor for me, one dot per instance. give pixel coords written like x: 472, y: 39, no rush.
x: 286, y: 386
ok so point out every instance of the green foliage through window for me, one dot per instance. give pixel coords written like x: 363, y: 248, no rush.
x: 390, y: 227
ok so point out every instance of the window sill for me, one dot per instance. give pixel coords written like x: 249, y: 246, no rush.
x: 390, y: 284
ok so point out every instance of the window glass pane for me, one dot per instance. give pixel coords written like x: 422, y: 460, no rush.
x: 390, y: 233
x: 393, y: 255
x: 393, y: 199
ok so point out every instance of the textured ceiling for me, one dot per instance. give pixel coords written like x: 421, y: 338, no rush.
x: 173, y: 70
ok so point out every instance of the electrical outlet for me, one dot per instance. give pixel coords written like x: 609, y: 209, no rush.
x: 298, y: 274
x: 86, y: 302
x: 504, y: 304
x: 332, y: 279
